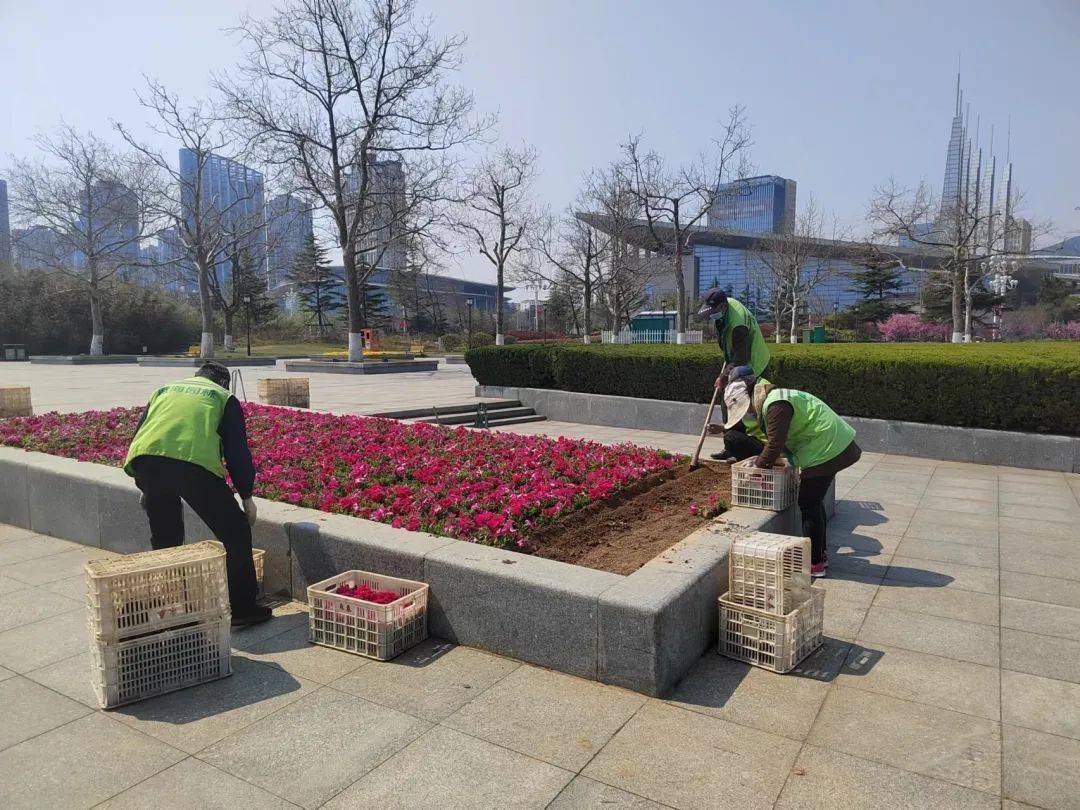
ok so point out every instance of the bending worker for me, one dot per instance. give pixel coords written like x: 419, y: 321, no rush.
x: 743, y: 345
x: 816, y: 440
x: 177, y: 454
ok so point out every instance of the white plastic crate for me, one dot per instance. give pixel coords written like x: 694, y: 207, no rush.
x: 127, y: 671
x: 156, y: 590
x: 365, y: 628
x: 776, y: 643
x: 775, y: 489
x: 769, y: 572
x: 258, y: 558
x: 15, y: 401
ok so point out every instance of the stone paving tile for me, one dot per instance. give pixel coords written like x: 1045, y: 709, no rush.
x: 1043, y: 704
x: 287, y: 616
x: 1058, y: 498
x: 194, y: 718
x: 431, y: 681
x: 854, y: 564
x: 547, y: 715
x: 1017, y: 542
x: 869, y: 524
x: 859, y: 544
x: 79, y: 765
x: 920, y: 632
x: 292, y: 651
x: 70, y: 677
x: 1042, y: 513
x: 31, y: 546
x: 194, y: 785
x: 751, y: 696
x: 829, y: 780
x: 929, y: 528
x: 587, y: 794
x: 1040, y: 769
x: 946, y: 503
x: 30, y: 709
x: 923, y: 549
x: 938, y: 574
x: 923, y: 678
x: 1041, y: 565
x: 843, y: 618
x: 65, y: 565
x: 1065, y: 530
x: 1041, y: 589
x: 9, y: 533
x: 1049, y: 656
x: 445, y: 768
x: 315, y: 747
x: 906, y: 497
x: 958, y: 748
x: 1039, y: 617
x: 845, y: 587
x: 951, y: 603
x: 984, y: 497
x: 31, y: 646
x: 9, y: 585
x: 32, y: 605
x: 686, y: 759
x: 5, y: 674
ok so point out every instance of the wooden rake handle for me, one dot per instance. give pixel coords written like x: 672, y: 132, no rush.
x: 704, y: 429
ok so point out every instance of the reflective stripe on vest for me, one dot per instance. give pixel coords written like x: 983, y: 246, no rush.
x: 182, y: 422
x: 816, y: 434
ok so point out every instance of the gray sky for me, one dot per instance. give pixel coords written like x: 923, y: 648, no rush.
x: 841, y: 94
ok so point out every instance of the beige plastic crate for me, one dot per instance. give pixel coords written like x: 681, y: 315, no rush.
x: 758, y: 488
x: 769, y: 572
x: 293, y: 392
x: 15, y: 401
x: 776, y: 643
x: 156, y: 590
x: 258, y: 557
x: 126, y: 671
x: 365, y: 628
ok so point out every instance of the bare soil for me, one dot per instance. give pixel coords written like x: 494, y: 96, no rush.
x: 625, y: 531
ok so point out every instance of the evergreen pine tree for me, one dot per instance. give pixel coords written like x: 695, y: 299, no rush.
x: 318, y: 288
x: 879, y: 287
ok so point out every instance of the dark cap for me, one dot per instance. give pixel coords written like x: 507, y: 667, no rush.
x: 712, y: 302
x: 215, y: 372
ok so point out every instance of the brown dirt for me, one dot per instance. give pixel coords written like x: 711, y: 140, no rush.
x: 623, y: 533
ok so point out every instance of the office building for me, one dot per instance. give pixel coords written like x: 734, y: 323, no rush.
x: 236, y: 193
x: 5, y: 229
x: 383, y: 244
x: 110, y: 225
x: 288, y: 229
x: 764, y: 204
x: 1018, y: 236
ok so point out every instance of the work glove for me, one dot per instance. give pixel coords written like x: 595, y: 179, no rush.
x: 250, y: 510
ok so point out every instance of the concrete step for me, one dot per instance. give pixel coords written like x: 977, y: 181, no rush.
x: 430, y: 411
x: 470, y: 417
x: 517, y: 420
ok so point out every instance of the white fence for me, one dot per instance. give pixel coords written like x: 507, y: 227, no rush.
x: 651, y: 336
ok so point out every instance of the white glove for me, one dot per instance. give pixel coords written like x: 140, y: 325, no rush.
x: 250, y: 510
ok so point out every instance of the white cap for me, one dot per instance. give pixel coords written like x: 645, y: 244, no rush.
x: 737, y: 402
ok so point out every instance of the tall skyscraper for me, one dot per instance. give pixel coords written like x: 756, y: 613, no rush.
x: 39, y: 247
x: 236, y: 193
x: 954, y: 159
x: 763, y: 204
x: 110, y: 224
x: 383, y: 244
x: 5, y: 229
x: 288, y: 228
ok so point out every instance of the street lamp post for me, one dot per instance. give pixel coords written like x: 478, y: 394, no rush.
x: 247, y: 320
x: 469, y: 306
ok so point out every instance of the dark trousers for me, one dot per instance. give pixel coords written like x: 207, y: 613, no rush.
x: 739, y: 445
x: 164, y: 482
x: 814, y: 484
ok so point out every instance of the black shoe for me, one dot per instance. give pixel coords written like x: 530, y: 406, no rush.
x: 256, y: 614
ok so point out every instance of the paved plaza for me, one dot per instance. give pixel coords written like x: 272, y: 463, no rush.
x: 950, y: 676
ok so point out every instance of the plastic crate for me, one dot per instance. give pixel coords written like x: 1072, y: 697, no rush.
x: 156, y: 590
x: 139, y: 668
x: 776, y: 643
x: 15, y: 401
x: 365, y: 628
x: 775, y: 489
x: 258, y: 558
x: 769, y: 572
x: 288, y: 391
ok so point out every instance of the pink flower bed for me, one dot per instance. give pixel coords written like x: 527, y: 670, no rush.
x: 491, y: 488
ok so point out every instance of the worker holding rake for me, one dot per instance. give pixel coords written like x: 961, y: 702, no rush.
x: 813, y: 437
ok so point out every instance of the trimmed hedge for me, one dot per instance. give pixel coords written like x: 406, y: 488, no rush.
x: 1032, y: 387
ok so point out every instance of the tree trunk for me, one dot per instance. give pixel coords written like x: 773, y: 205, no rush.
x: 680, y: 292
x: 794, y: 336
x: 229, y: 343
x: 356, y: 307
x: 586, y: 314
x: 967, y: 303
x: 499, y: 337
x: 957, y: 306
x: 97, y: 338
x: 206, y: 344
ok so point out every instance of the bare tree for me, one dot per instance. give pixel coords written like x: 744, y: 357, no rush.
x: 497, y: 213
x: 94, y: 200
x: 196, y: 216
x: 798, y: 265
x: 338, y: 95
x: 673, y: 201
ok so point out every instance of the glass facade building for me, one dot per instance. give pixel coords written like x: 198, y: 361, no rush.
x: 288, y: 228
x: 763, y: 204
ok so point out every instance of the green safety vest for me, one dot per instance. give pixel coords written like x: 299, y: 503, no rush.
x: 739, y: 315
x: 816, y: 434
x: 182, y: 422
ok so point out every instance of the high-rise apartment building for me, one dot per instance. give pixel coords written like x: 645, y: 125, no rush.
x: 288, y: 228
x: 764, y: 204
x: 5, y: 229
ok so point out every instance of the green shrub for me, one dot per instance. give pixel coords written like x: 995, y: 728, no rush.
x: 1017, y: 386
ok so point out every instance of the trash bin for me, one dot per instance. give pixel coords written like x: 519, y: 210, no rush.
x: 806, y: 335
x: 819, y: 334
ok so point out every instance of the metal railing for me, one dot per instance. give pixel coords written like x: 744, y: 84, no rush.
x: 650, y: 336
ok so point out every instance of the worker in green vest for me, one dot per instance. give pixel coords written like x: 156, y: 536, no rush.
x: 746, y: 355
x: 190, y: 432
x: 813, y: 437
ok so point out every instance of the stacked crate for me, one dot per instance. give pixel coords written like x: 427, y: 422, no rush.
x: 15, y: 401
x: 159, y: 621
x: 770, y: 617
x: 291, y: 392
x: 775, y: 488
